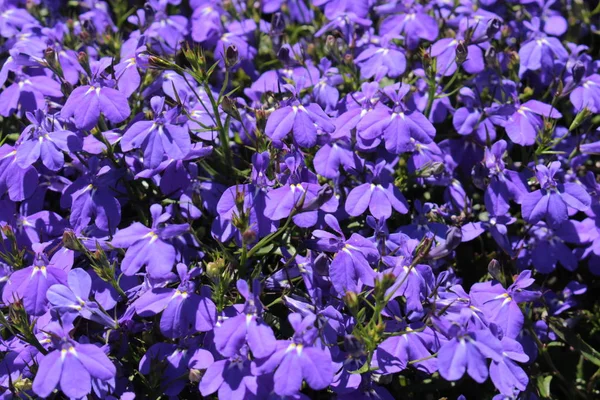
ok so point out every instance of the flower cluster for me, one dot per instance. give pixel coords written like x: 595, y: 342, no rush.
x: 350, y: 199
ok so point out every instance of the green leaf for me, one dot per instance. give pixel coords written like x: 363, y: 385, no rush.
x: 543, y: 384
x: 575, y: 340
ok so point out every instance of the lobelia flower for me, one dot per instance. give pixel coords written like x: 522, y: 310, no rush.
x: 248, y: 326
x: 445, y: 52
x: 86, y: 102
x: 45, y: 139
x: 501, y: 305
x: 158, y: 137
x: 587, y: 94
x: 508, y: 377
x: 552, y: 200
x: 542, y: 53
x: 400, y: 128
x: 303, y: 121
x: 383, y: 59
x: 413, y: 23
x: 27, y: 94
x: 495, y: 225
x: 232, y: 378
x: 302, y: 358
x: 19, y: 183
x: 150, y: 247
x: 183, y: 311
x: 546, y: 247
x: 350, y: 267
x: 348, y: 23
x: 473, y: 119
x: 32, y: 283
x: 504, y: 184
x: 523, y: 126
x: 378, y: 194
x: 74, y: 298
x: 172, y: 362
x: 91, y: 198
x: 87, y: 362
x: 468, y: 351
x: 416, y: 342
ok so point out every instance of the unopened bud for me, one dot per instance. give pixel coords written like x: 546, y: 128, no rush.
x: 82, y: 57
x: 351, y: 300
x: 578, y: 71
x: 231, y: 56
x: 195, y: 375
x: 249, y: 236
x: 493, y: 27
x: 323, y: 196
x: 495, y: 270
x: 228, y: 105
x: 284, y: 55
x: 461, y: 52
x: 71, y: 242
x: 330, y: 43
x: 277, y: 24
x: 215, y: 268
x: 491, y: 56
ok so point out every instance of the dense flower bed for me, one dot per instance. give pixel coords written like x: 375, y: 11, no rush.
x: 351, y: 199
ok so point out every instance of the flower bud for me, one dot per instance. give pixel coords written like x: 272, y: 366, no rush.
x: 249, y: 236
x: 195, y: 375
x: 493, y: 27
x: 322, y: 197
x: 284, y: 55
x: 461, y: 52
x: 215, y: 268
x: 351, y: 300
x: 354, y: 346
x: 491, y: 56
x: 231, y: 56
x: 229, y: 106
x: 578, y: 71
x: 71, y: 242
x: 82, y: 57
x: 495, y: 270
x: 277, y: 24
x: 330, y: 43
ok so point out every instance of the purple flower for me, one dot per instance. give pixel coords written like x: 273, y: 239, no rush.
x: 379, y: 194
x: 91, y: 197
x: 248, y: 326
x: 552, y: 200
x: 381, y: 60
x: 468, y: 351
x: 301, y: 358
x: 351, y: 262
x: 45, y: 139
x: 149, y: 247
x: 86, y: 102
x: 303, y: 121
x: 158, y: 137
x: 501, y: 305
x: 27, y: 94
x: 87, y: 362
x: 400, y: 128
x: 445, y: 52
x: 183, y: 311
x: 232, y: 379
x: 525, y: 123
x: 32, y: 283
x: 508, y: 377
x: 20, y: 183
x: 587, y: 94
x: 543, y: 53
x: 75, y: 298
